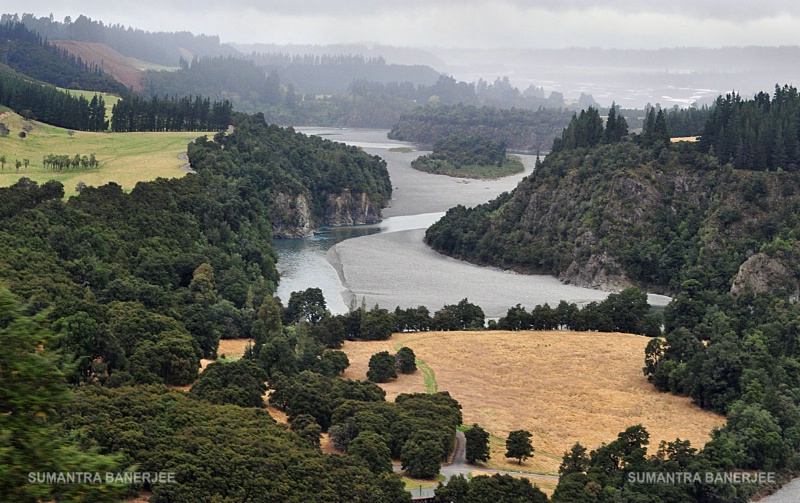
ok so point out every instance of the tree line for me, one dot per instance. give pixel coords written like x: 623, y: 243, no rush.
x: 759, y: 134
x: 50, y: 105
x: 189, y: 113
x: 517, y: 128
x: 274, y: 59
x: 588, y: 129
x: 65, y: 162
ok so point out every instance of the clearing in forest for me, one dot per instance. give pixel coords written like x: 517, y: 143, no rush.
x: 563, y: 387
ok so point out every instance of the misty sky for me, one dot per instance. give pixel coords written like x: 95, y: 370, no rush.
x: 454, y: 23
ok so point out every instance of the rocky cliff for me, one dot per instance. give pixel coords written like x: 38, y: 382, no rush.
x: 294, y: 216
x: 351, y: 209
x: 763, y: 273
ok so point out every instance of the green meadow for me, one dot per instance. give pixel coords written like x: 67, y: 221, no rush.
x: 109, y: 99
x: 125, y: 158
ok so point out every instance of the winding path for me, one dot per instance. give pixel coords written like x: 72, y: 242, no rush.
x: 459, y: 466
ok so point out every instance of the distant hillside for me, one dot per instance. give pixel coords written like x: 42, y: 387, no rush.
x: 28, y: 53
x: 526, y: 130
x: 126, y: 70
x: 163, y: 48
x: 393, y: 55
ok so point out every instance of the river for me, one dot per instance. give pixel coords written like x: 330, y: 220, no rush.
x: 388, y: 264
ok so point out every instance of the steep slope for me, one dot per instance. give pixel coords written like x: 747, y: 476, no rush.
x: 621, y: 214
x: 124, y: 69
x: 306, y: 181
x: 28, y: 53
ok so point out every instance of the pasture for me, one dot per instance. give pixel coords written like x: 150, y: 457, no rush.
x: 124, y: 158
x: 563, y: 387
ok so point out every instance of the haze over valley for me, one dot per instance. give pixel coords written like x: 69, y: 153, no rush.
x: 464, y: 251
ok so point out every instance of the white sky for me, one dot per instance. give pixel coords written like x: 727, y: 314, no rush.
x: 454, y: 23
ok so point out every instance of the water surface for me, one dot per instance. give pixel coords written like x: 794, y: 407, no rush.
x: 388, y: 263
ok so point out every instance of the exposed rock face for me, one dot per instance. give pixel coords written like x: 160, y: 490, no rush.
x: 761, y: 273
x: 347, y: 209
x: 601, y: 272
x: 293, y: 216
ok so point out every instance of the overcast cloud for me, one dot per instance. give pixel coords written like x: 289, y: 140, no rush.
x: 454, y: 23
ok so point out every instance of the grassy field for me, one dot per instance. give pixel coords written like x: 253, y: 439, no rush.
x: 563, y: 387
x: 125, y: 158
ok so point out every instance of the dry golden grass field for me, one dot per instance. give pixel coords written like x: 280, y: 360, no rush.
x: 563, y: 387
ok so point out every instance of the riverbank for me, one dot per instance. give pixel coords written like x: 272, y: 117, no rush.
x: 396, y: 268
x: 410, y: 274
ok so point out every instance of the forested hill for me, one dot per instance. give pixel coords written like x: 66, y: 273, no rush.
x: 608, y: 211
x: 26, y: 52
x: 335, y: 74
x: 306, y: 181
x: 520, y: 129
x: 164, y: 48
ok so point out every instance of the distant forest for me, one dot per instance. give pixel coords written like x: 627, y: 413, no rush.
x: 518, y: 129
x: 156, y: 47
x: 28, y: 53
x: 336, y: 90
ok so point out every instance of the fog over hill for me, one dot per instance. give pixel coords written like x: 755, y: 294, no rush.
x: 669, y: 76
x: 672, y: 53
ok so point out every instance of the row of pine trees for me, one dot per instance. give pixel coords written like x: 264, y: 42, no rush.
x: 170, y: 114
x: 760, y: 134
x: 63, y: 109
x: 48, y: 104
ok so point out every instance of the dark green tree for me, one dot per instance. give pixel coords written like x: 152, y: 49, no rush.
x: 483, y: 489
x: 422, y: 455
x: 306, y: 427
x: 518, y: 445
x: 381, y: 367
x: 332, y: 363
x: 372, y: 450
x: 240, y: 382
x: 456, y: 491
x: 376, y: 324
x: 406, y: 360
x: 477, y: 444
x: 574, y: 461
x: 308, y: 305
